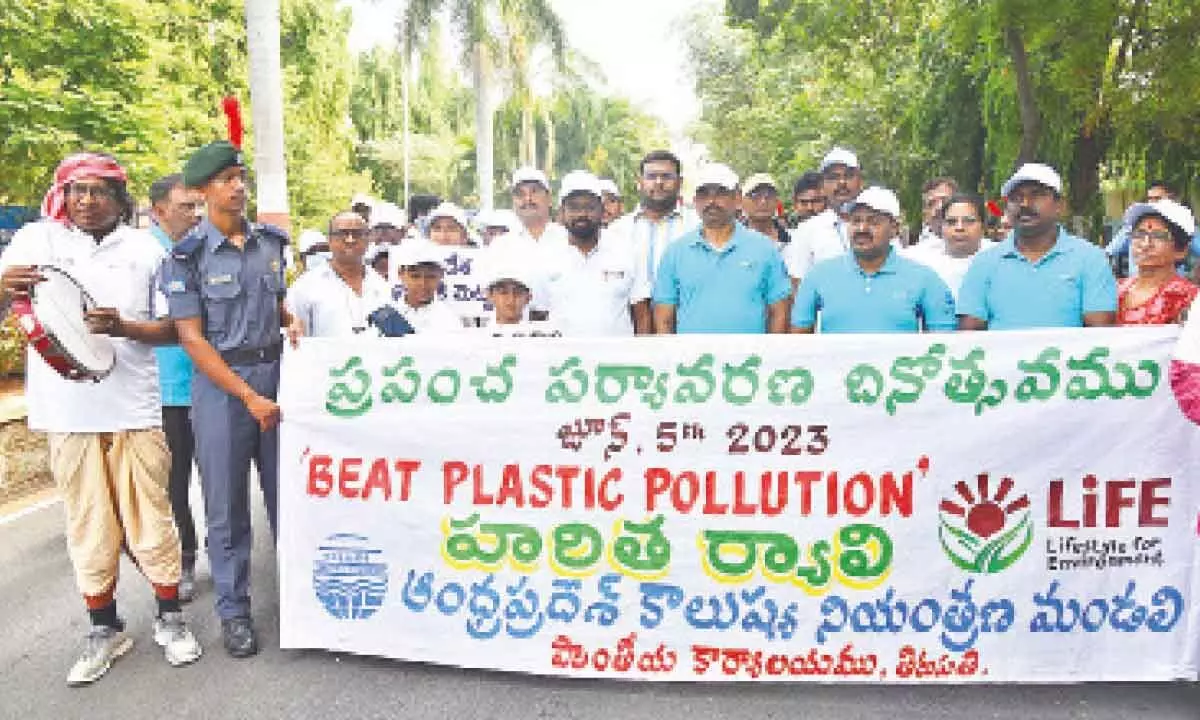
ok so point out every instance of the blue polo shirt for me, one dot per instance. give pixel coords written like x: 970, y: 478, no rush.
x: 1010, y: 293
x: 174, y: 365
x: 895, y: 299
x: 721, y: 291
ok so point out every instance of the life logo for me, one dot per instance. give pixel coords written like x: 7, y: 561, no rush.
x: 350, y: 577
x: 982, y: 532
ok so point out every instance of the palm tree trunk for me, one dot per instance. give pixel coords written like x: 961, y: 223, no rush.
x: 484, y: 136
x: 528, y: 149
x: 266, y: 107
x: 550, y: 144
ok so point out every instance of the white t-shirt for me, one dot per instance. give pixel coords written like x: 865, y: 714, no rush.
x: 649, y: 238
x: 522, y: 329
x: 520, y: 244
x: 122, y: 272
x: 950, y: 269
x: 818, y: 238
x: 330, y: 308
x: 590, y: 295
x: 436, y: 318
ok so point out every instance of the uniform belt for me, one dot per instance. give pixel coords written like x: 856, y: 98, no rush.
x: 253, y: 356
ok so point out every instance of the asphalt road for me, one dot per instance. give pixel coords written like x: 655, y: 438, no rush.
x: 42, y: 624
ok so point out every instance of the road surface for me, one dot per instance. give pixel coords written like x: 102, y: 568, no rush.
x: 43, y: 623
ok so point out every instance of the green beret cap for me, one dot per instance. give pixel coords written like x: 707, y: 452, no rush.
x: 210, y: 160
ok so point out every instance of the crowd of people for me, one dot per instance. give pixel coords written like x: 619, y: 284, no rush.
x: 199, y: 310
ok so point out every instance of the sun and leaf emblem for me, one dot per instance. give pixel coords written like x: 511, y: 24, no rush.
x: 982, y: 532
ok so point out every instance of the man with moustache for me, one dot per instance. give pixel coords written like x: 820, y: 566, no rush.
x: 1041, y: 275
x: 872, y: 289
x: 824, y: 236
x: 336, y: 299
x: 531, y: 202
x: 174, y: 211
x: 723, y: 277
x: 225, y: 285
x: 808, y: 196
x: 108, y: 456
x: 659, y: 217
x: 760, y: 207
x: 591, y: 284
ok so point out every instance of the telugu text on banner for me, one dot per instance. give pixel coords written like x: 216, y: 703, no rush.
x: 974, y: 507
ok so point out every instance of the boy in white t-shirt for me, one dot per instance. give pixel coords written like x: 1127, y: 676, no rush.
x: 509, y: 291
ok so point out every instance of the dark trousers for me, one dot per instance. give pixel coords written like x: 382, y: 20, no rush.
x: 228, y: 440
x: 177, y: 424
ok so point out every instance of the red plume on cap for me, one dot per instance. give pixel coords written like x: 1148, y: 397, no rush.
x: 994, y: 209
x: 233, y: 114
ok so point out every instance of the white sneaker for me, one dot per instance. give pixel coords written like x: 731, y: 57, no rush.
x: 178, y: 644
x: 104, y: 645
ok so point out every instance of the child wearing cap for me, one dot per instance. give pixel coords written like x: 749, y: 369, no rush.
x: 421, y: 272
x: 448, y: 225
x: 509, y: 291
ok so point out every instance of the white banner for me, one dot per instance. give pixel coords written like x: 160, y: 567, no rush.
x: 462, y: 286
x: 974, y: 507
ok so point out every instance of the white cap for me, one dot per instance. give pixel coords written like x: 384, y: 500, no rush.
x: 1171, y: 211
x: 452, y: 211
x: 879, y: 199
x: 757, y: 180
x: 578, y: 181
x: 509, y: 266
x: 363, y: 199
x: 839, y: 156
x: 717, y: 174
x: 530, y: 174
x: 387, y: 214
x: 609, y: 187
x: 1033, y: 172
x: 374, y: 250
x: 310, y: 239
x: 506, y: 219
x: 418, y: 252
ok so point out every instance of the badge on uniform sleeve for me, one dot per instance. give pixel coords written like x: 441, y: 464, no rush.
x: 274, y: 266
x: 176, y: 286
x: 220, y: 279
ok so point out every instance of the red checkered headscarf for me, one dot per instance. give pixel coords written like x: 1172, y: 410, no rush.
x: 79, y: 165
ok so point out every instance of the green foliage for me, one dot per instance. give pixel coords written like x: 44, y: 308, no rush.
x: 143, y: 79
x: 929, y: 87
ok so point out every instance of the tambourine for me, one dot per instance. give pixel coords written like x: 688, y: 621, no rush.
x: 52, y: 317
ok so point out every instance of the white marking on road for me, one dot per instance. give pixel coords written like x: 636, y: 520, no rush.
x: 36, y: 507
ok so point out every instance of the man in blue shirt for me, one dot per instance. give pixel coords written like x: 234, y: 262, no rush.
x: 873, y: 289
x: 174, y: 211
x: 723, y: 277
x: 1041, y: 275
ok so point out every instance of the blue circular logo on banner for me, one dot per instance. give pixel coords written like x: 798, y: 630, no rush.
x: 350, y: 577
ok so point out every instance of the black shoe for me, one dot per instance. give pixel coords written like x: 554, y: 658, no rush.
x: 239, y: 638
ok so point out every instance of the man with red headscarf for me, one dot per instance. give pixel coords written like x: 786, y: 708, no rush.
x: 108, y: 454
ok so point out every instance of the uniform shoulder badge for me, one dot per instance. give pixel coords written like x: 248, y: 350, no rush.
x: 273, y: 231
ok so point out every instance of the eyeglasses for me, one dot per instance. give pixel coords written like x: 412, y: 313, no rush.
x: 99, y: 192
x: 878, y: 220
x: 963, y: 221
x: 763, y: 194
x: 1159, y: 236
x: 657, y: 176
x: 351, y: 233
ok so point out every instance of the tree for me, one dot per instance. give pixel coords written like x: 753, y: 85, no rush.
x: 266, y: 97
x: 477, y: 24
x: 1098, y: 88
